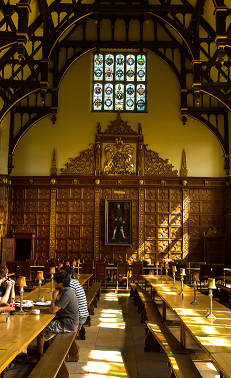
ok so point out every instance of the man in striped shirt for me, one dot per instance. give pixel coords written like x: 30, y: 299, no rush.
x: 81, y: 298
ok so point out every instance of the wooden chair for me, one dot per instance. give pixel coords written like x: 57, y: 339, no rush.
x: 122, y: 273
x: 101, y: 272
x: 137, y: 270
x: 41, y: 262
x: 218, y: 271
x: 199, y: 263
x: 87, y: 268
x: 12, y: 266
x: 205, y: 272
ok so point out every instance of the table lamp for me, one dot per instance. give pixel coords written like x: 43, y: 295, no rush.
x: 195, y: 280
x: 21, y: 283
x: 52, y: 271
x: 211, y: 286
x: 182, y: 274
x: 174, y: 270
x: 166, y: 270
x: 157, y: 264
x: 40, y: 278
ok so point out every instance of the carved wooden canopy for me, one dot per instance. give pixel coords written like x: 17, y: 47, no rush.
x: 118, y: 150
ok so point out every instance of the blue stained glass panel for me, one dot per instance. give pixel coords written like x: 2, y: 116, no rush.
x: 119, y: 73
x: 130, y: 67
x: 140, y: 97
x: 130, y: 97
x: 97, y: 96
x: 119, y: 96
x: 98, y: 67
x: 109, y: 67
x: 108, y: 97
x: 141, y: 68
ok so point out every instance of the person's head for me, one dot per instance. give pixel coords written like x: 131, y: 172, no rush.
x: 118, y: 206
x: 3, y: 272
x: 61, y: 280
x: 69, y: 270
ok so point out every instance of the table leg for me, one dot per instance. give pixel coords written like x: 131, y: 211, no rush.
x: 182, y: 334
x: 164, y: 311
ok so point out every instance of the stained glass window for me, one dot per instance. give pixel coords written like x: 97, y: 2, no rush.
x: 119, y: 82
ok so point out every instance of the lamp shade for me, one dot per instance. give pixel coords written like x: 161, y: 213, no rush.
x: 40, y: 275
x: 211, y: 283
x: 78, y: 261
x: 174, y: 268
x: 195, y: 276
x: 157, y: 263
x: 182, y: 271
x: 74, y: 263
x: 21, y: 281
x: 52, y: 270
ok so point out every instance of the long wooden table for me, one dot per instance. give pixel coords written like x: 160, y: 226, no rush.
x: 213, y: 335
x: 22, y: 329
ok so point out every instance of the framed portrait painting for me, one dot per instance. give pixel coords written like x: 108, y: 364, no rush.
x: 118, y: 222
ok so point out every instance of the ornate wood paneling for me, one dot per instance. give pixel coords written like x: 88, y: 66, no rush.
x: 168, y: 216
x: 206, y: 210
x: 163, y: 222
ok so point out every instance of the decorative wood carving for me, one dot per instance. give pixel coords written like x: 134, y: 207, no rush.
x: 184, y: 171
x: 154, y: 165
x: 81, y: 165
x: 119, y: 127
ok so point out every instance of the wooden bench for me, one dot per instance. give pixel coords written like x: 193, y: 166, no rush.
x: 92, y: 295
x: 52, y: 364
x: 179, y: 360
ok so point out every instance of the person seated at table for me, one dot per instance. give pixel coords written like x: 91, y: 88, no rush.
x: 65, y: 305
x: 6, y: 286
x: 81, y: 298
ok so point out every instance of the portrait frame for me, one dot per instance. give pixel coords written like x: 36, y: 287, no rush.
x: 118, y: 222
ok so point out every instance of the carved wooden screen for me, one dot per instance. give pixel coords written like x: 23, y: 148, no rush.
x: 206, y: 210
x: 163, y: 222
x: 75, y: 222
x: 31, y: 207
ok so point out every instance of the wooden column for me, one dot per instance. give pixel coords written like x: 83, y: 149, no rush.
x: 141, y: 224
x: 185, y: 223
x: 52, y: 223
x: 96, y: 223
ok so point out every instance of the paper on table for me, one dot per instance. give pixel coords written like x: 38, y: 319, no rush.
x: 47, y: 303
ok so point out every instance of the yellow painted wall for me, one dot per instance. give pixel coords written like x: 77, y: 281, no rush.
x: 162, y: 126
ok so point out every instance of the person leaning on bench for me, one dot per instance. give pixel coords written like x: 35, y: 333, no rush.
x: 81, y: 298
x: 65, y: 305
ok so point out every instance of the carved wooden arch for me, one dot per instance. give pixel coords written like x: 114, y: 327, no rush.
x: 120, y: 137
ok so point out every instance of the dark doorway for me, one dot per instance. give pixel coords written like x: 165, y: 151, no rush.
x: 23, y: 249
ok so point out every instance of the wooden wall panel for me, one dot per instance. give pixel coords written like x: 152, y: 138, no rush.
x: 160, y: 235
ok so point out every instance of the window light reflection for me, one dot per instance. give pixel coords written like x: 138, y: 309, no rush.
x: 215, y: 341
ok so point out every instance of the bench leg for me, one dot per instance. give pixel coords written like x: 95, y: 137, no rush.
x: 88, y: 321
x: 73, y: 354
x: 151, y: 344
x: 91, y: 309
x: 172, y: 375
x: 63, y: 372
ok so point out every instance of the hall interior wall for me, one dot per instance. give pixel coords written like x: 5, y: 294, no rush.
x: 158, y: 229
